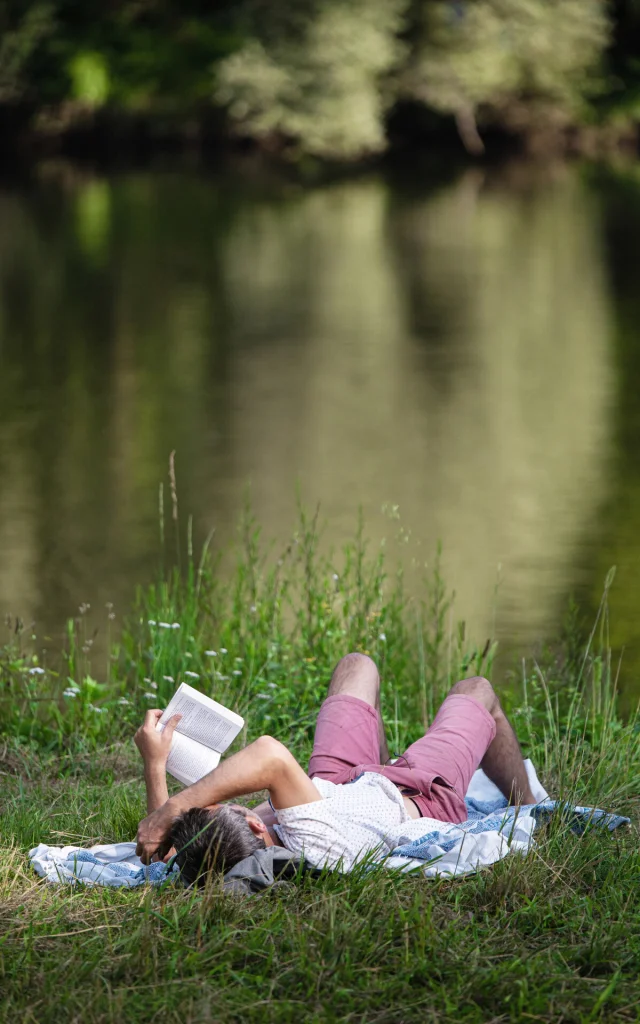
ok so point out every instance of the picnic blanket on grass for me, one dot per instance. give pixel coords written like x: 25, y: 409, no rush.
x: 492, y: 831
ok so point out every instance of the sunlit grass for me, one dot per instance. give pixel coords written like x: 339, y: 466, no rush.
x: 554, y: 936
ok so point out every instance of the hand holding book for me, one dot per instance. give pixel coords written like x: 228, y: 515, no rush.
x: 204, y: 731
x: 155, y: 745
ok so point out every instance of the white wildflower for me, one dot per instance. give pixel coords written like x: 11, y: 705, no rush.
x: 272, y: 686
x: 188, y: 654
x: 122, y: 700
x: 175, y: 625
x: 336, y: 577
x: 253, y: 608
x: 382, y: 637
x: 164, y: 625
x: 263, y: 696
x: 192, y: 675
x: 238, y: 661
x: 237, y: 672
x: 36, y: 671
x: 168, y: 679
x: 223, y: 650
x: 151, y: 622
x: 69, y: 692
x: 212, y: 654
x: 149, y: 696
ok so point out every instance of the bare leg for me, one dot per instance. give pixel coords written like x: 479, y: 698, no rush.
x: 503, y: 762
x: 357, y: 675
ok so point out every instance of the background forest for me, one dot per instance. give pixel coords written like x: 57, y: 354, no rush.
x: 338, y: 79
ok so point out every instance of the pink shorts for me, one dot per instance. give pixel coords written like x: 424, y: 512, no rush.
x: 435, y: 770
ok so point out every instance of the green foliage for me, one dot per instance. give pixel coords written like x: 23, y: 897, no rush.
x: 318, y: 81
x: 20, y: 39
x: 319, y: 76
x: 90, y: 78
x: 498, y: 53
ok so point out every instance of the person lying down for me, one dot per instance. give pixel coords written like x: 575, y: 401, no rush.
x: 352, y: 804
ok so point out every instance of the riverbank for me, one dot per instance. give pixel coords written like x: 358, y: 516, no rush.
x: 114, y: 138
x: 553, y: 936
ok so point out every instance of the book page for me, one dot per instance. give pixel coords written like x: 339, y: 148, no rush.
x: 203, y: 719
x: 189, y: 761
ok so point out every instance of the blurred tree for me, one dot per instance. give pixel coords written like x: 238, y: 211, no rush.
x: 21, y: 34
x: 512, y: 57
x: 312, y: 74
x: 321, y: 75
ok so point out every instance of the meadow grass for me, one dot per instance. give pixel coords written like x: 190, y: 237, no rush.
x: 553, y: 937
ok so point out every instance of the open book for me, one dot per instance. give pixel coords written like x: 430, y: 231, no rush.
x: 203, y: 733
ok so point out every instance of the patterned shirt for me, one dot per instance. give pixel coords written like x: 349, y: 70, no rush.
x: 364, y: 818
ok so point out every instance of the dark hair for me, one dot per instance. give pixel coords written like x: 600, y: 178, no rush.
x: 208, y: 841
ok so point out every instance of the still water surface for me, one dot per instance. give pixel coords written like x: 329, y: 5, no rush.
x: 468, y: 353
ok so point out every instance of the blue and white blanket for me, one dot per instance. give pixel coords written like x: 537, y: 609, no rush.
x: 491, y: 832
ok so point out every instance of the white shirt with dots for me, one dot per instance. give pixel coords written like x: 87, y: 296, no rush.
x: 356, y: 820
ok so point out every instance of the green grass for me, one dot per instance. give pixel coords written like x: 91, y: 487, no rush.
x: 551, y: 937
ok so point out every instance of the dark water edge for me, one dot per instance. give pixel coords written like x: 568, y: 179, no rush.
x: 111, y: 138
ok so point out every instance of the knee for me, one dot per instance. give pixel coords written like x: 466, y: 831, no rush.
x: 481, y: 690
x: 360, y: 665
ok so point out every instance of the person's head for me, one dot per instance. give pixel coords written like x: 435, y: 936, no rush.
x: 213, y: 839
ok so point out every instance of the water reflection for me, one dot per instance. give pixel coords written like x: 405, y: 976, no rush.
x: 449, y: 352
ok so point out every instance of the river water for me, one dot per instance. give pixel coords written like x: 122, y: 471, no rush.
x: 468, y: 352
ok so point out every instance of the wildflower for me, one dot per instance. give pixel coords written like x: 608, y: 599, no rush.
x: 152, y: 622
x: 168, y: 679
x: 175, y: 625
x: 212, y: 654
x: 253, y: 608
x: 122, y: 700
x: 221, y: 677
x: 238, y: 661
x: 223, y: 650
x: 192, y: 675
x: 154, y: 686
x: 146, y: 680
x: 100, y: 711
x: 382, y: 637
x: 335, y: 577
x: 164, y: 625
x: 36, y: 671
x: 272, y: 686
x: 188, y: 654
x: 149, y: 696
x: 263, y: 696
x: 237, y: 672
x: 69, y: 692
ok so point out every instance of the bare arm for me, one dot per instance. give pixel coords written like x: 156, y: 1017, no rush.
x: 264, y: 764
x: 155, y: 780
x: 154, y: 749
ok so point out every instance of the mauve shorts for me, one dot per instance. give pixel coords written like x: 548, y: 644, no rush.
x: 435, y: 770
